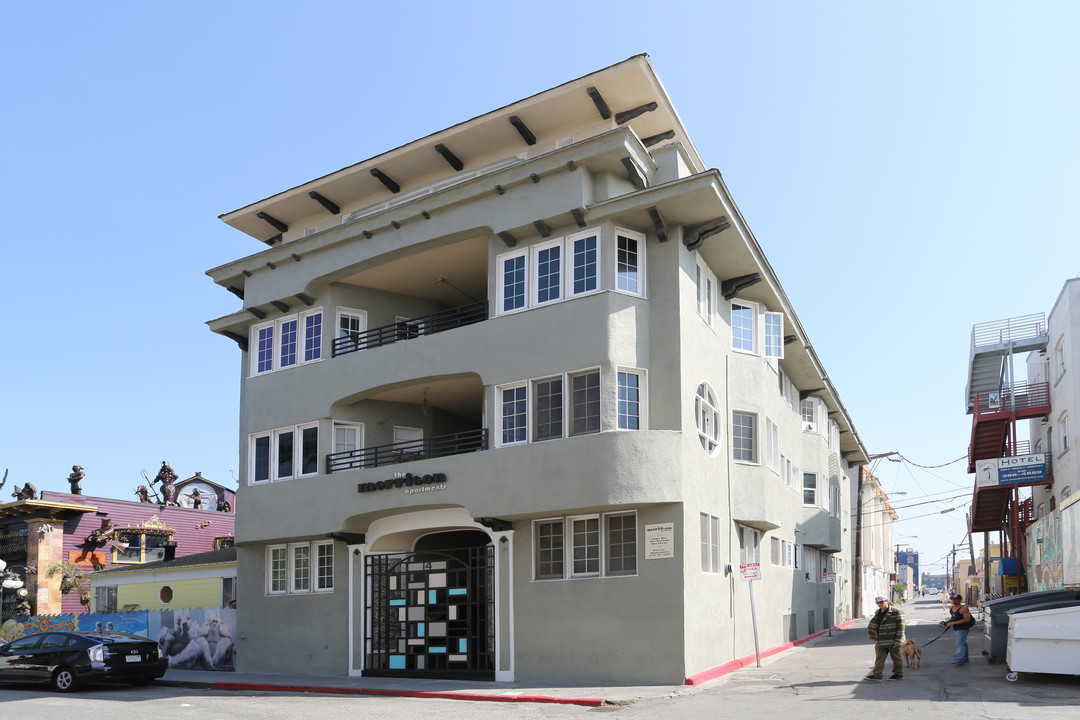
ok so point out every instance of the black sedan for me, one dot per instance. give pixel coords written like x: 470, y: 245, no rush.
x: 67, y: 659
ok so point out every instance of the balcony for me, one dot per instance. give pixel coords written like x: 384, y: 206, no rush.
x: 411, y: 328
x: 408, y: 451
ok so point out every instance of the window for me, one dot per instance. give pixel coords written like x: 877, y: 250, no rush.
x: 1059, y: 359
x: 630, y: 263
x: 783, y: 553
x: 288, y: 341
x: 710, y: 544
x: 707, y: 417
x: 812, y: 564
x: 772, y: 440
x: 584, y: 253
x: 585, y: 403
x: 706, y: 293
x: 600, y: 545
x: 774, y: 335
x: 629, y: 410
x: 141, y: 547
x: 743, y: 319
x: 809, y: 492
x: 228, y: 592
x: 300, y: 568
x: 548, y: 409
x: 351, y: 324
x: 513, y: 411
x: 547, y: 261
x: 284, y: 453
x: 808, y: 413
x: 743, y: 437
x: 512, y: 288
x: 1063, y: 429
x: 794, y: 477
x: 105, y: 599
x: 834, y: 497
x: 348, y: 437
x: 749, y: 542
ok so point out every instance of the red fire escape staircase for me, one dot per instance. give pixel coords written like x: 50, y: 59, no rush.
x: 997, y: 401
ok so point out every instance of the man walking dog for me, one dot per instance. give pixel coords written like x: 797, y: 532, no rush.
x: 886, y: 630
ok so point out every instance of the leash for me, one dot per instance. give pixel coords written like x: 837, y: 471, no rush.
x: 943, y: 631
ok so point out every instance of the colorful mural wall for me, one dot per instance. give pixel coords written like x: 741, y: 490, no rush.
x: 1044, y: 554
x: 194, y: 639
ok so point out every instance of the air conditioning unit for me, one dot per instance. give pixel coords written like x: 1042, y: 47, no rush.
x: 808, y: 426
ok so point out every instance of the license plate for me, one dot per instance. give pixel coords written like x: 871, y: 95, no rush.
x: 133, y: 658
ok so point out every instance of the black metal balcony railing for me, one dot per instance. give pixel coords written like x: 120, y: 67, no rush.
x: 412, y: 328
x: 394, y: 453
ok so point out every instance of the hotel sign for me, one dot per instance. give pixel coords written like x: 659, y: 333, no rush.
x: 1017, y: 470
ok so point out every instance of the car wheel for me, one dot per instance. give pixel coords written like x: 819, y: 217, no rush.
x: 139, y: 682
x: 63, y: 680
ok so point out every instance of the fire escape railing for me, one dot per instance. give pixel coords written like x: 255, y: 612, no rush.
x: 1016, y: 398
x: 412, y: 328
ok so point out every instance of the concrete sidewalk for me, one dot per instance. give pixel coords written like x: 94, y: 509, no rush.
x: 843, y: 658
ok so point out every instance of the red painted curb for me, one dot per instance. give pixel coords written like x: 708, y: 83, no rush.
x: 730, y: 667
x: 434, y: 695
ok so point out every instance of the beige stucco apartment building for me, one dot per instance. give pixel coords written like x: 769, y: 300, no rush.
x: 518, y: 400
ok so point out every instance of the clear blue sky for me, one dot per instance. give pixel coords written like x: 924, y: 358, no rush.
x: 909, y: 170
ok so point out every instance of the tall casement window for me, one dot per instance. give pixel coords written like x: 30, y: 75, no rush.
x: 514, y: 413
x: 809, y: 415
x: 710, y: 544
x: 834, y: 496
x: 600, y: 545
x: 1059, y: 359
x: 810, y: 489
x: 548, y: 408
x: 300, y: 568
x: 744, y: 437
x: 286, y: 342
x: 774, y: 335
x: 584, y: 252
x: 749, y: 545
x: 585, y: 402
x: 547, y: 259
x: 630, y: 262
x: 706, y: 292
x: 743, y: 320
x: 351, y: 324
x: 772, y: 439
x: 284, y: 453
x: 512, y: 288
x: 1063, y: 430
x: 707, y: 417
x: 630, y: 397
x: 348, y: 437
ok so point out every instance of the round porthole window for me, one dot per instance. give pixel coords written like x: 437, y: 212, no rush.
x: 165, y: 595
x: 707, y: 417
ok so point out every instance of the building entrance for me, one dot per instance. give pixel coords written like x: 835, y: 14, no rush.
x: 431, y: 612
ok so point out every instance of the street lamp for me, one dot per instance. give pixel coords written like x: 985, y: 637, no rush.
x: 10, y: 581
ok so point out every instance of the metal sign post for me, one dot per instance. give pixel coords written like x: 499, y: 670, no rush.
x: 830, y: 578
x: 751, y: 572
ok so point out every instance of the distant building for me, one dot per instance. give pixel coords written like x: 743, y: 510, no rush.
x: 200, y: 580
x: 95, y: 533
x: 877, y: 555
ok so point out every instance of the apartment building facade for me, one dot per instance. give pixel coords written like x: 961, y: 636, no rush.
x: 520, y: 400
x: 1053, y: 538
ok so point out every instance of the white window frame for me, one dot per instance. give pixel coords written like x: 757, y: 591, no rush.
x: 737, y: 343
x: 755, y: 443
x: 1063, y: 432
x: 302, y: 346
x: 773, y: 335
x: 274, y: 437
x: 620, y: 285
x: 706, y: 284
x: 271, y: 561
x: 570, y: 260
x: 707, y: 419
x: 710, y: 544
x: 569, y: 548
x: 356, y: 427
x: 501, y: 261
x: 834, y: 497
x: 501, y: 441
x: 1059, y: 359
x: 534, y: 272
x: 772, y: 444
x: 320, y: 568
x: 228, y: 590
x: 749, y: 544
x: 351, y: 314
x: 532, y: 422
x: 815, y: 489
x: 571, y: 408
x: 641, y: 416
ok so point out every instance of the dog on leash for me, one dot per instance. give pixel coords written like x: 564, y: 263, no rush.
x: 912, y: 654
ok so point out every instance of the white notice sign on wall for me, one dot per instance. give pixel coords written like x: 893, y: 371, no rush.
x: 659, y: 541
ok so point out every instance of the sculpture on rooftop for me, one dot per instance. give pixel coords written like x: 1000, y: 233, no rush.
x: 167, y: 478
x: 26, y: 492
x: 75, y: 478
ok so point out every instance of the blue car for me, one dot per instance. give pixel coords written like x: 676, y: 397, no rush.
x: 66, y: 660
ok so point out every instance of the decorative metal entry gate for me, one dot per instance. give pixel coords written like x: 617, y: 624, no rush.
x: 431, y: 613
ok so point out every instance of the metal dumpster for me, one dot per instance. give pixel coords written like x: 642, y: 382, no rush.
x: 996, y: 627
x: 1045, y: 639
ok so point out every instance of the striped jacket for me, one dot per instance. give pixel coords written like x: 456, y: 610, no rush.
x: 887, y: 627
